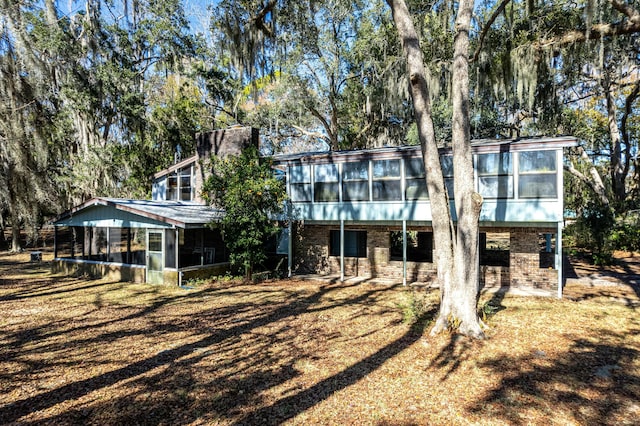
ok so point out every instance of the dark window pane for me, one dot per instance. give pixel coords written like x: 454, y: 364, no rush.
x: 170, y: 246
x: 414, y: 167
x: 387, y: 190
x: 386, y: 168
x: 538, y: 186
x: 190, y: 247
x: 300, y: 192
x: 416, y: 189
x: 172, y: 187
x: 355, y: 243
x: 538, y: 161
x: 446, y: 161
x: 355, y: 171
x: 99, y: 244
x: 118, y: 245
x: 448, y: 183
x: 494, y: 164
x: 138, y: 246
x: 494, y: 248
x: 324, y: 192
x: 355, y: 191
x: 155, y: 241
x: 419, y: 246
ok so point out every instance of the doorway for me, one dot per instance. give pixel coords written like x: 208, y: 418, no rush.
x: 155, y: 256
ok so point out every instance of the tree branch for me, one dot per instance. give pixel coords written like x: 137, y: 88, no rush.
x: 595, y: 182
x: 598, y: 31
x: 259, y: 18
x: 628, y: 105
x: 487, y: 27
x: 312, y: 134
x: 625, y: 9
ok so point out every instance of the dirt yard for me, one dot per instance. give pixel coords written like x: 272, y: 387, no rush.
x: 82, y: 351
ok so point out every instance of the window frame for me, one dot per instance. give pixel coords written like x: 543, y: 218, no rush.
x: 383, y: 186
x: 328, y: 184
x: 357, y: 181
x: 497, y: 175
x: 355, y: 249
x: 301, y: 182
x: 527, y: 175
x: 413, y: 180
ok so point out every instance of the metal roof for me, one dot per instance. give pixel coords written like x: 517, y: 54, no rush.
x: 179, y: 214
x: 477, y: 146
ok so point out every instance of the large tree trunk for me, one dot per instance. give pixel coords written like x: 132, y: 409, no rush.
x: 16, y: 246
x: 456, y: 260
x: 461, y: 301
x: 617, y: 168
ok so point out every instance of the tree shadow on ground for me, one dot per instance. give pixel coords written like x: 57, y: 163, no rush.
x: 170, y: 387
x: 589, y: 383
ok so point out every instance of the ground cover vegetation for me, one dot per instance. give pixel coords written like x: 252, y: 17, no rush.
x: 77, y: 350
x: 98, y: 95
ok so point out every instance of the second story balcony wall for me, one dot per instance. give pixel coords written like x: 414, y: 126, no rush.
x: 520, y: 181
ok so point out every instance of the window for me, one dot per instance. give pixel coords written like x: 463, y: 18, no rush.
x: 118, y: 242
x: 537, y: 175
x: 326, y: 186
x: 495, y: 175
x: 386, y: 180
x: 446, y: 161
x: 419, y: 246
x: 180, y: 184
x: 138, y: 246
x: 172, y: 186
x: 355, y: 181
x: 185, y: 184
x: 300, y: 183
x: 494, y: 248
x: 355, y: 243
x: 99, y: 244
x: 415, y: 187
x: 170, y: 248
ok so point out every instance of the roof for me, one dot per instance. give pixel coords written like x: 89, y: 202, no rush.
x: 186, y: 162
x: 477, y: 145
x: 118, y: 212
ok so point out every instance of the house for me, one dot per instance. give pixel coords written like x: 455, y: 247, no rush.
x: 364, y: 213
x: 165, y: 240
x: 367, y: 213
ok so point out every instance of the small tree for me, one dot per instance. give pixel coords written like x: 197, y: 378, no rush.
x: 252, y: 196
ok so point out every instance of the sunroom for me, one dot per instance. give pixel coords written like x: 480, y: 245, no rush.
x: 367, y: 213
x: 158, y: 242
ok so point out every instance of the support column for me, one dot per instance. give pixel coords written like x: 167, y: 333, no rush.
x: 290, y: 250
x: 341, y: 250
x: 404, y: 252
x: 559, y: 266
x: 55, y: 243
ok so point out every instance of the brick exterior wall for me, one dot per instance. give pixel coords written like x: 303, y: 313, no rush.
x: 221, y: 143
x: 524, y: 262
x: 311, y: 255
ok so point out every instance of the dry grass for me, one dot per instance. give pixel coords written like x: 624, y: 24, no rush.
x: 80, y: 351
